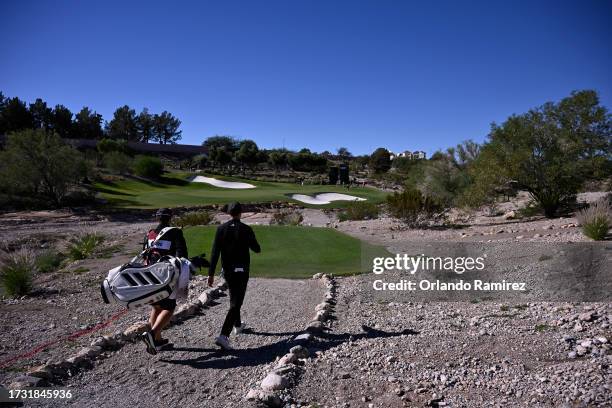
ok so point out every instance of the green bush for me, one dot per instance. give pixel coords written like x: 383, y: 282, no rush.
x: 287, y: 218
x: 16, y: 272
x: 84, y: 246
x: 148, y: 167
x: 596, y: 219
x: 410, y: 205
x: 193, y: 218
x: 49, y: 261
x: 359, y: 210
x: 117, y: 162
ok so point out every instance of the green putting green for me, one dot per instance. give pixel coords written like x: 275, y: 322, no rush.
x: 175, y: 190
x: 295, y: 252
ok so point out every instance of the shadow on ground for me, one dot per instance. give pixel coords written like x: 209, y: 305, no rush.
x: 254, y: 356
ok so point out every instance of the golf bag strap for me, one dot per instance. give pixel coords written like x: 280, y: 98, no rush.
x: 161, y: 234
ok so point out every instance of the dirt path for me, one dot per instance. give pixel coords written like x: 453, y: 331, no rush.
x: 194, y: 372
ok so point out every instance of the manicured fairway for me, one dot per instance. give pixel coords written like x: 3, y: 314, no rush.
x: 175, y: 190
x: 295, y: 252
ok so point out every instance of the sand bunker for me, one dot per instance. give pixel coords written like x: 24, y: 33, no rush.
x: 325, y: 198
x: 221, y: 183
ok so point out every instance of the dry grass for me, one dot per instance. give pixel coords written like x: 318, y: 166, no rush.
x: 596, y: 219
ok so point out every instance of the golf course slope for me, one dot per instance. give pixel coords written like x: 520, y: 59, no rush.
x: 177, y: 190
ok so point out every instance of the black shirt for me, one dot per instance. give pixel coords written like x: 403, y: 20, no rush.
x: 232, y: 242
x: 178, y: 246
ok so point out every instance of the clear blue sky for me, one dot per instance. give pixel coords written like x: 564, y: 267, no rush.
x: 321, y: 74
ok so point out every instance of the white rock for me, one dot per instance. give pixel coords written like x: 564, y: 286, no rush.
x: 288, y: 358
x: 274, y: 382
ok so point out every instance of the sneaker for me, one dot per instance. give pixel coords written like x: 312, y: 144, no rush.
x: 239, y: 329
x: 223, y: 342
x: 147, y: 338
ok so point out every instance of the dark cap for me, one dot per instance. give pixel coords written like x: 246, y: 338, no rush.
x: 164, y: 212
x: 234, y: 208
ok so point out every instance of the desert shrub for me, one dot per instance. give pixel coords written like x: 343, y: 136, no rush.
x: 287, y: 218
x: 85, y: 245
x: 117, y: 162
x: 39, y: 165
x: 549, y: 151
x: 149, y: 167
x: 596, y: 220
x: 410, y: 205
x: 193, y: 218
x: 531, y: 209
x: 16, y: 272
x: 359, y: 210
x: 49, y: 260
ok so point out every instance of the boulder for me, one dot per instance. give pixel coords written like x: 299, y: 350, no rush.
x: 274, y: 382
x: 204, y: 299
x: 43, y: 371
x: 135, y: 330
x: 299, y: 351
x: 323, y: 306
x: 587, y: 316
x: 315, y: 327
x: 287, y: 359
x: 99, y: 341
x: 303, y: 338
x: 321, y: 316
x: 24, y: 381
x: 510, y: 215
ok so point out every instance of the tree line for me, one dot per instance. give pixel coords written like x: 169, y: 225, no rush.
x: 226, y: 152
x: 126, y: 124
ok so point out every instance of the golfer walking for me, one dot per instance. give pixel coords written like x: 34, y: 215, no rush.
x: 233, y: 241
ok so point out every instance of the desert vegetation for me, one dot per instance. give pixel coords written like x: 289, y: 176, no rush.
x: 16, y: 271
x: 596, y: 220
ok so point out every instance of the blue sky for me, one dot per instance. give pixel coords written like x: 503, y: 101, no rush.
x: 321, y: 74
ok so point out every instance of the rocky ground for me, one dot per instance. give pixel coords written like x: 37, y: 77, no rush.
x: 381, y: 354
x: 375, y: 351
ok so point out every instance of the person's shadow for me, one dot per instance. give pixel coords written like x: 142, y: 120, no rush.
x: 220, y: 359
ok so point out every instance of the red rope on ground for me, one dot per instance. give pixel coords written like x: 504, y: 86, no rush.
x: 72, y: 336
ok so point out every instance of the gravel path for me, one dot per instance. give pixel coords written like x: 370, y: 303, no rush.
x: 195, y: 372
x: 381, y: 354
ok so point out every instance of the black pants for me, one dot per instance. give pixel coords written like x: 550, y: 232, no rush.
x: 237, y: 285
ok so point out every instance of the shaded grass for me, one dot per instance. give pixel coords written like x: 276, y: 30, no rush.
x: 174, y: 190
x: 295, y: 252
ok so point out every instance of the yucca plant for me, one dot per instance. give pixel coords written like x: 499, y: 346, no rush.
x: 16, y: 271
x: 596, y: 219
x: 84, y: 246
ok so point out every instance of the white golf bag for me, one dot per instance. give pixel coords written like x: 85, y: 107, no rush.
x: 150, y: 277
x: 136, y: 284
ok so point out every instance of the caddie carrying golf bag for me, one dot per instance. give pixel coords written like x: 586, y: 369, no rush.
x: 141, y: 282
x: 137, y: 284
